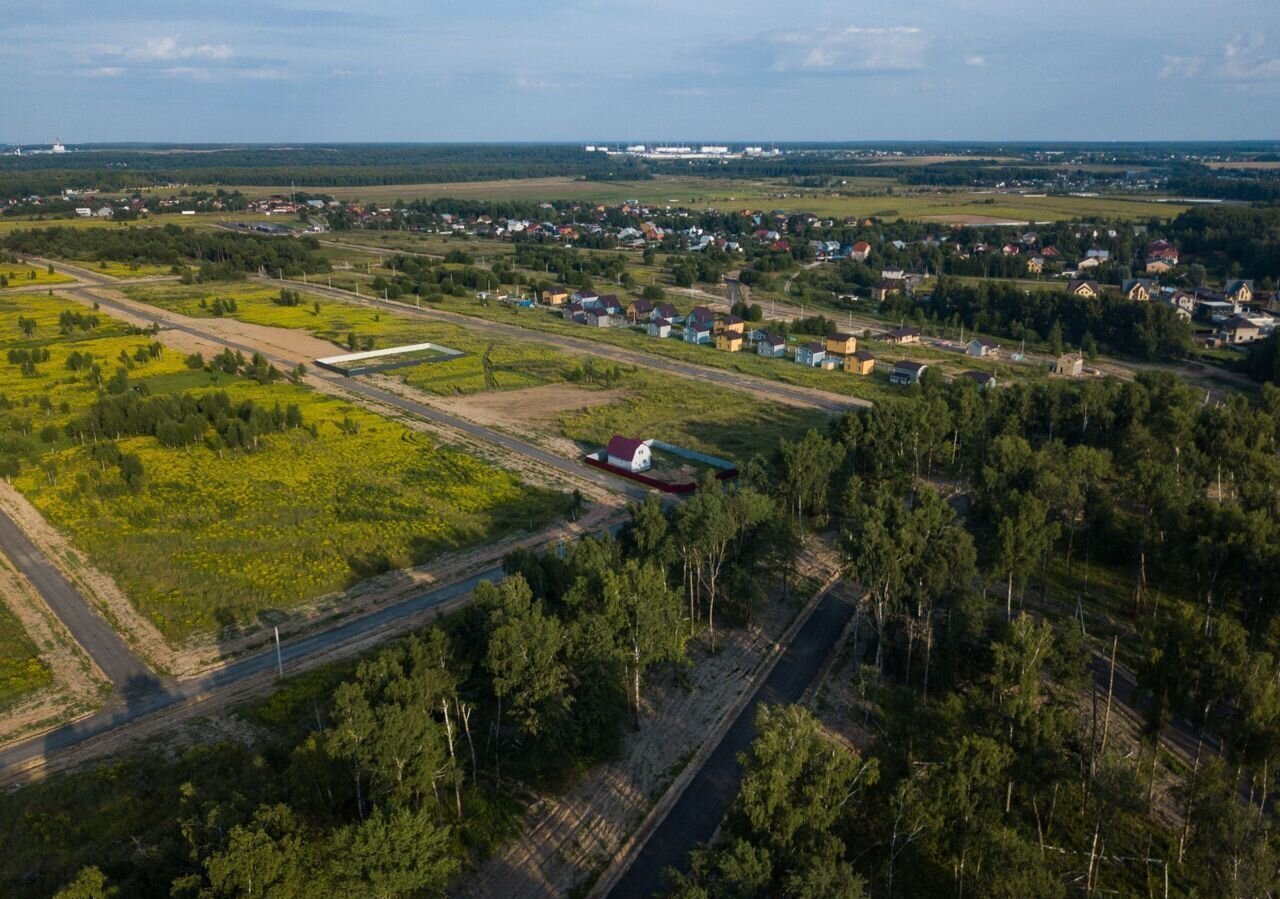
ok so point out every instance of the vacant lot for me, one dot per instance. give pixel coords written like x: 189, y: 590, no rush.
x: 30, y: 276
x: 219, y: 537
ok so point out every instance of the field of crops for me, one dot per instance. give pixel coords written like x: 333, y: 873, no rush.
x: 219, y: 538
x: 21, y: 671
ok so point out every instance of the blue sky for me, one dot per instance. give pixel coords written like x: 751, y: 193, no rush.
x: 422, y: 70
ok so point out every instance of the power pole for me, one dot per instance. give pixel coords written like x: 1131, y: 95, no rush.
x: 279, y: 657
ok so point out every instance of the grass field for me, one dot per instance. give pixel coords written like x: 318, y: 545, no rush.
x: 857, y: 197
x: 199, y: 220
x: 126, y: 270
x: 30, y: 276
x: 21, y: 671
x: 221, y: 538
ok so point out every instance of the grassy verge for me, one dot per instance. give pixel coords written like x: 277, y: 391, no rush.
x: 21, y: 670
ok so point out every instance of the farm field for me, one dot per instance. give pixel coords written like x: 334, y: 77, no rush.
x: 857, y: 197
x: 21, y: 670
x: 217, y: 538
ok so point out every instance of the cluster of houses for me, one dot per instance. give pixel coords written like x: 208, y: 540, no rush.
x: 1235, y: 313
x: 730, y: 334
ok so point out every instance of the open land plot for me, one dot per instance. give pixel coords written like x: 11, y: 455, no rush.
x: 219, y: 537
x: 724, y: 422
x: 510, y: 364
x: 199, y: 220
x: 30, y: 276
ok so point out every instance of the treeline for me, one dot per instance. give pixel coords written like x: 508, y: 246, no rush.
x: 184, y: 420
x: 217, y: 254
x: 1231, y: 241
x: 979, y: 774
x: 1110, y: 322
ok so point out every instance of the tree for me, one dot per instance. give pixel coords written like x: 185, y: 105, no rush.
x: 807, y: 466
x: 264, y: 858
x: 524, y: 659
x: 1023, y: 535
x: 396, y: 853
x: 646, y: 612
x: 90, y: 883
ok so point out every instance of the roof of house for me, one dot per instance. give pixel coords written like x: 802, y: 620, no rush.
x: 1234, y: 286
x: 731, y: 320
x: 642, y: 305
x: 984, y: 342
x: 623, y: 447
x: 1131, y: 283
x: 773, y: 340
x: 814, y: 347
x: 841, y: 336
x: 701, y: 313
x: 863, y: 356
x: 907, y: 365
x: 1076, y: 284
x: 1237, y: 323
x: 904, y: 332
x: 660, y: 323
x: 978, y: 377
x: 666, y: 310
x: 698, y: 324
x: 861, y: 246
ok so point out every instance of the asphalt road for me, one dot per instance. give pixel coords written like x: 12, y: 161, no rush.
x: 828, y: 402
x: 699, y: 810
x: 91, y: 630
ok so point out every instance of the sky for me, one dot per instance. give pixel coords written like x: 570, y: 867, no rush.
x: 605, y: 70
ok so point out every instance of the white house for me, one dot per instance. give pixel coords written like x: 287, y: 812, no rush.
x: 980, y: 347
x: 771, y: 345
x: 659, y: 327
x: 628, y: 453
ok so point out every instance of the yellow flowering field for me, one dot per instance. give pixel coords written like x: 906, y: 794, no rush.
x: 12, y: 275
x: 219, y: 539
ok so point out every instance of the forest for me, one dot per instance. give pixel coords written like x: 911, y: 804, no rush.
x: 1104, y: 518
x: 216, y: 254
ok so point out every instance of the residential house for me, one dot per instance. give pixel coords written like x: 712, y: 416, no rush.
x: 555, y: 296
x: 598, y: 318
x: 610, y: 304
x: 893, y: 274
x: 1011, y: 249
x: 1136, y: 290
x: 771, y: 345
x: 840, y: 344
x: 659, y: 327
x: 1090, y: 262
x: 906, y: 373
x: 900, y: 336
x: 1238, y: 329
x: 701, y: 315
x: 668, y: 311
x: 729, y: 341
x: 1159, y: 266
x: 730, y: 324
x: 860, y: 363
x: 697, y: 330
x: 981, y: 347
x: 628, y: 453
x: 861, y: 250
x: 1098, y: 253
x: 811, y: 354
x: 1035, y: 265
x: 639, y: 310
x: 574, y: 312
x: 1239, y: 291
x: 984, y: 380
x: 880, y: 292
x: 1084, y: 288
x: 1069, y: 365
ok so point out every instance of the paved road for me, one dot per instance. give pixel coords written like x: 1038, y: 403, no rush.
x: 698, y: 812
x: 140, y: 704
x: 828, y: 402
x: 91, y: 630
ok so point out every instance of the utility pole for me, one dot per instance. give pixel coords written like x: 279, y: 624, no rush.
x: 279, y: 657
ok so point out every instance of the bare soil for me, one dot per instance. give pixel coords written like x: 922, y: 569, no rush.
x: 77, y: 683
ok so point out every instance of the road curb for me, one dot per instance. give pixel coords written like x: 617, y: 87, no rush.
x: 627, y: 853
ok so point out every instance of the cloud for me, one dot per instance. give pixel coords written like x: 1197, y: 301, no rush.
x: 104, y: 72
x: 528, y: 83
x: 1181, y: 67
x: 167, y: 49
x: 204, y: 73
x: 978, y: 62
x: 686, y: 92
x: 1243, y: 59
x: 852, y: 49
